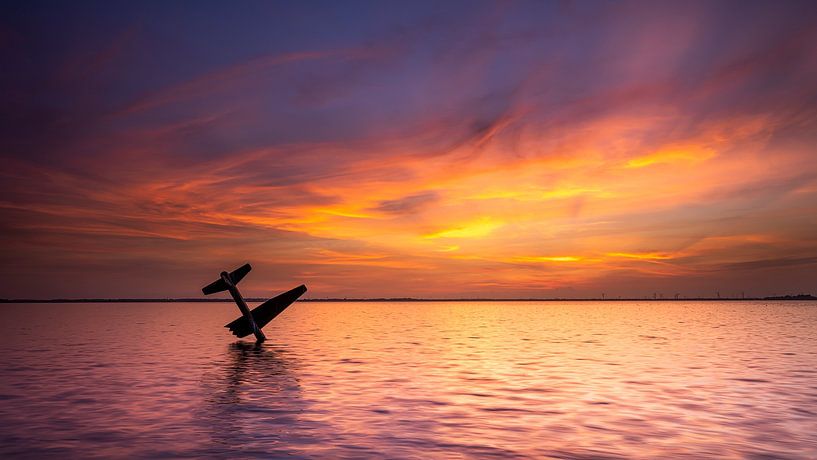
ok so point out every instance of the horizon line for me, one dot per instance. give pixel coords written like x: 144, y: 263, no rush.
x: 406, y: 299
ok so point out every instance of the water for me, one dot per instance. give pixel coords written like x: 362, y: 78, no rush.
x: 412, y: 380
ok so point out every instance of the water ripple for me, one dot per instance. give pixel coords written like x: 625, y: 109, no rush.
x: 606, y: 380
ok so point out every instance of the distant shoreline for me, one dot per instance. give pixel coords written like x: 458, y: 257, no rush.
x: 800, y: 297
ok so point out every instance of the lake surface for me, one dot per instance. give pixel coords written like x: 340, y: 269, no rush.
x: 572, y: 380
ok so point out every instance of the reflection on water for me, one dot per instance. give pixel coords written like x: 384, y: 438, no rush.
x: 254, y: 365
x: 252, y: 403
x: 412, y: 380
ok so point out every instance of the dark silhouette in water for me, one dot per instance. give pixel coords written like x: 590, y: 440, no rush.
x: 252, y: 321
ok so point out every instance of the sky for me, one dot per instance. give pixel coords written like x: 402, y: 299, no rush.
x: 409, y: 149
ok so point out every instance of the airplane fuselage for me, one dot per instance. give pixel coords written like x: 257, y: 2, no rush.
x: 245, y: 310
x: 251, y: 321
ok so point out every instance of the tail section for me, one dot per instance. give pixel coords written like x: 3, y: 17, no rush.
x: 265, y: 312
x: 235, y: 276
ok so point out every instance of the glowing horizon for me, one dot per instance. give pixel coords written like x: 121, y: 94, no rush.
x: 519, y: 150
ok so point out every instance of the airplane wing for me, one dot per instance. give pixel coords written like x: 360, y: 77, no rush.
x: 265, y: 312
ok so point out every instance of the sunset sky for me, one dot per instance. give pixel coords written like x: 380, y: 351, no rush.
x: 438, y: 149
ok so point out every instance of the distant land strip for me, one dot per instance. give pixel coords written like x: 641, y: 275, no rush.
x: 412, y: 299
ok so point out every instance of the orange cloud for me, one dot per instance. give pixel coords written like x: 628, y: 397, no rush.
x: 640, y: 256
x: 547, y: 259
x: 688, y: 154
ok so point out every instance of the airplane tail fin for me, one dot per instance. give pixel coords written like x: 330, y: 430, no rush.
x: 235, y: 276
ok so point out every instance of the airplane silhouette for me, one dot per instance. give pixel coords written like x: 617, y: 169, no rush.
x: 251, y: 322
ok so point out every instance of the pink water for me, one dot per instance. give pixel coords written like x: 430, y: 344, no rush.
x: 412, y: 380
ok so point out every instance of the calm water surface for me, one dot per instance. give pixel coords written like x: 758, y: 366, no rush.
x: 412, y: 380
